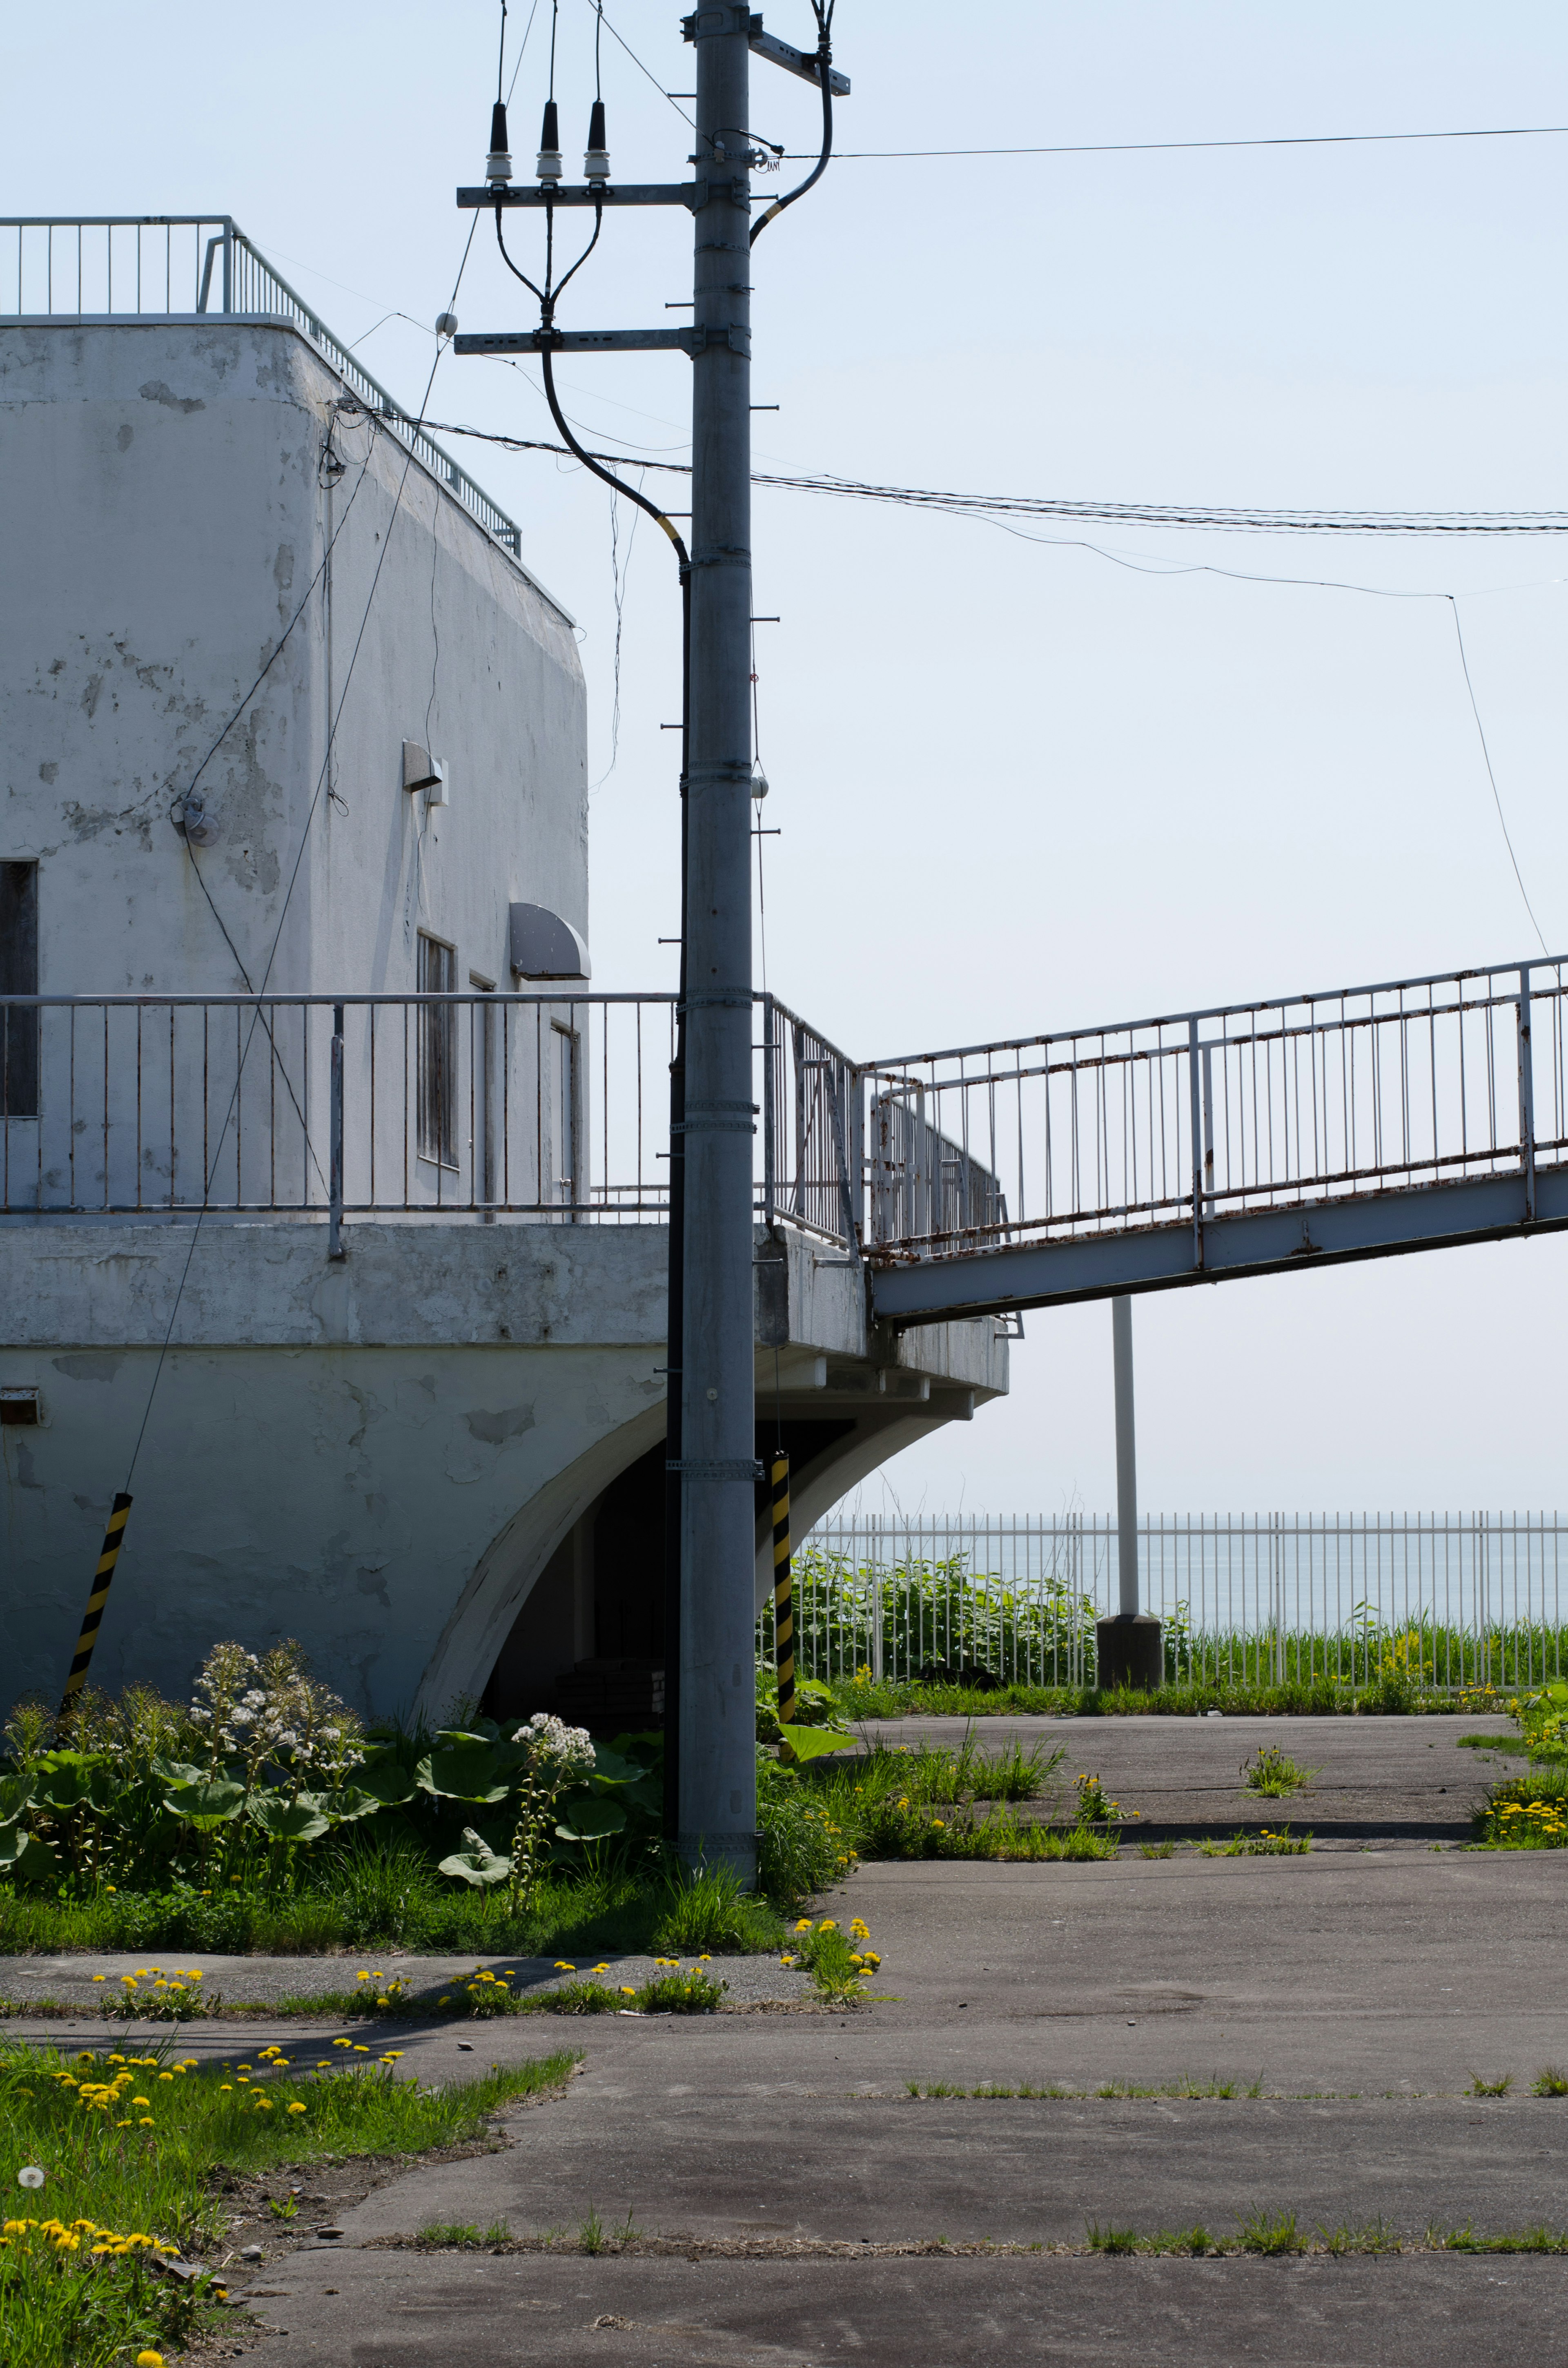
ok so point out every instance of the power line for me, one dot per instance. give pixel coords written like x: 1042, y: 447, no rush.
x: 300, y: 857
x: 1176, y: 147
x: 1497, y: 799
x: 1202, y: 517
x: 645, y: 72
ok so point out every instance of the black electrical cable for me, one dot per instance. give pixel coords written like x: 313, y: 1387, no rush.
x: 1197, y: 516
x: 824, y: 14
x: 501, y: 59
x: 1177, y: 147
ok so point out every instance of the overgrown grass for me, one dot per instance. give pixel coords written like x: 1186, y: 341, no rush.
x: 1317, y: 1697
x: 1265, y: 1842
x: 1187, y: 2086
x: 387, y: 1891
x: 1525, y: 1812
x: 136, y: 2143
x: 888, y: 1802
x: 1273, y: 1774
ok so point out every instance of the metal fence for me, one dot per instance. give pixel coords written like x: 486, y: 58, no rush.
x: 546, y: 1104
x: 1424, y: 1599
x: 126, y: 267
x: 1211, y: 1113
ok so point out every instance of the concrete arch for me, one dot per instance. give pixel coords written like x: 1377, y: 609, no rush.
x: 511, y: 1565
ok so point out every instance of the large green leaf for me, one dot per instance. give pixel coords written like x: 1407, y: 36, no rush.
x: 610, y: 1766
x: 345, y: 1807
x: 476, y: 1863
x: 647, y: 1794
x: 289, y: 1821
x: 584, y: 1819
x: 387, y: 1781
x: 211, y: 1803
x: 16, y: 1795
x: 74, y: 1780
x: 25, y: 1858
x: 466, y: 1772
x: 801, y: 1743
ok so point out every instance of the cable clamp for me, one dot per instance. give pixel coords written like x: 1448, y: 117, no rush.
x: 719, y: 769
x: 700, y: 1467
x: 724, y: 555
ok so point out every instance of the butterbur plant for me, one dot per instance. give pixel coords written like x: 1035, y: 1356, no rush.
x: 555, y: 1756
x: 271, y: 1710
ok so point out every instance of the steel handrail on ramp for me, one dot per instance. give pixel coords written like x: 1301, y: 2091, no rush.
x: 1248, y: 1139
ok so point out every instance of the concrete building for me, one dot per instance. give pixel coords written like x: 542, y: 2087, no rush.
x: 292, y: 742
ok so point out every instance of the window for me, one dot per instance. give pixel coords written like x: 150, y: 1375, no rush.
x: 19, y: 975
x: 437, y: 1082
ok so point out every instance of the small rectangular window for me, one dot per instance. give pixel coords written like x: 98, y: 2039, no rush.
x: 19, y: 975
x: 437, y: 1083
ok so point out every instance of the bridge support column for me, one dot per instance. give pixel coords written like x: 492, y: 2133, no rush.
x: 1128, y: 1645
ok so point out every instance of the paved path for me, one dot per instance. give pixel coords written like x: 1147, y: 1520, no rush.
x: 1377, y: 1781
x: 1362, y: 1989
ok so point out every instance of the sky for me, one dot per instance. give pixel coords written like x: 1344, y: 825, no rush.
x: 1020, y: 783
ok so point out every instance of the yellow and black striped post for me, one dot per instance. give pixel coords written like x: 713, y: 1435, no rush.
x: 783, y: 1592
x: 114, y: 1538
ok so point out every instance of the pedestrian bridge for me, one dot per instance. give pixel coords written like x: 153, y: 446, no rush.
x: 1257, y: 1138
x: 1253, y: 1138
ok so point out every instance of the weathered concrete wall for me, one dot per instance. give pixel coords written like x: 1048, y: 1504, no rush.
x: 169, y: 500
x: 378, y: 1457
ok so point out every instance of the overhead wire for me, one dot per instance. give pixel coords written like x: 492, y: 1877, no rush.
x: 1172, y: 147
x: 646, y: 72
x: 823, y: 11
x: 1206, y: 517
x: 299, y: 858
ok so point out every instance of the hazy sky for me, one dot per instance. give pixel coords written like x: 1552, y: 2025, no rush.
x: 1021, y: 785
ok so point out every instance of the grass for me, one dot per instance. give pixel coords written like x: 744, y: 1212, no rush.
x: 1273, y: 1774
x: 138, y: 2143
x: 1525, y: 1812
x: 385, y: 1890
x: 1480, y: 2088
x: 449, y: 2233
x: 1550, y: 2082
x: 1309, y: 1696
x: 1264, y: 1842
x: 1187, y: 2087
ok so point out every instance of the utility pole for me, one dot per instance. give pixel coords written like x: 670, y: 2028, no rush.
x: 1126, y: 1644
x: 717, y: 1777
x: 711, y: 1552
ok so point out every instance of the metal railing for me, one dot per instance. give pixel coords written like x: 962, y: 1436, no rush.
x: 1211, y: 1113
x: 545, y: 1105
x: 1418, y: 1601
x: 128, y: 266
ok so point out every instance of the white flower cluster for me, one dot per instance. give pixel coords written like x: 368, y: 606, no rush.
x: 254, y: 1710
x: 562, y: 1752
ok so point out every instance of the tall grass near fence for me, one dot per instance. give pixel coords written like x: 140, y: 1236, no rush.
x: 897, y: 1617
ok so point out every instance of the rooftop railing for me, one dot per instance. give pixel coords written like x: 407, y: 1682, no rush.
x: 547, y: 1106
x: 140, y: 267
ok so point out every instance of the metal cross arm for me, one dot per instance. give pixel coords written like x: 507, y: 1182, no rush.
x: 797, y: 62
x: 693, y: 194
x: 603, y: 341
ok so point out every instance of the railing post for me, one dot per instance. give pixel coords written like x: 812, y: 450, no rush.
x: 1197, y: 1127
x: 334, y: 1249
x: 854, y: 1085
x: 1527, y: 1095
x: 769, y: 1121
x: 1208, y: 1130
x: 227, y: 264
